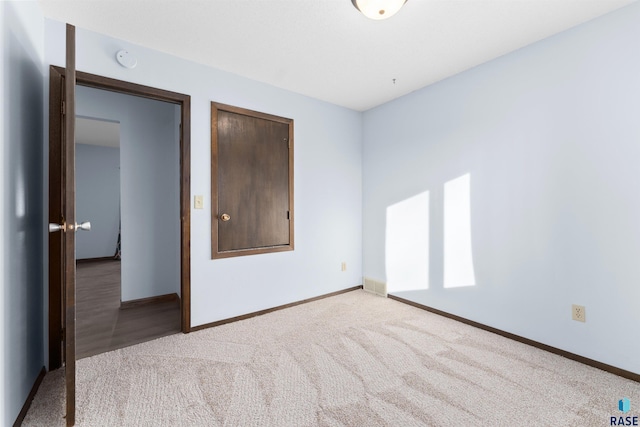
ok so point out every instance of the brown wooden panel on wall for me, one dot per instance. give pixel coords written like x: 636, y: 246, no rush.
x: 252, y: 182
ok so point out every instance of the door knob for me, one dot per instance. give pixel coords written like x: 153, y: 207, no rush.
x: 63, y: 227
x: 225, y: 217
x: 56, y: 227
x: 86, y: 226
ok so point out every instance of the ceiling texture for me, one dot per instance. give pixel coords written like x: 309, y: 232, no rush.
x: 327, y: 49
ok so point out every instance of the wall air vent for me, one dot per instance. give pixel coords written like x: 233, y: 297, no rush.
x: 374, y: 286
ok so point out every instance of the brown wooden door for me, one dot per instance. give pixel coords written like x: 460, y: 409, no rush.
x: 253, y: 182
x: 58, y: 159
x: 70, y: 216
x: 62, y: 220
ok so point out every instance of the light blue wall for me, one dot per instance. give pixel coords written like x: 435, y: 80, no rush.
x: 97, y: 199
x: 22, y: 211
x: 551, y: 138
x: 328, y: 177
x: 149, y: 189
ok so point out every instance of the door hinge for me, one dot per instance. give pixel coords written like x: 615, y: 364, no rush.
x: 64, y: 108
x: 288, y: 215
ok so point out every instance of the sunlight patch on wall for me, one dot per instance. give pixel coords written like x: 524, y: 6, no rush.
x: 407, y: 244
x: 458, y: 260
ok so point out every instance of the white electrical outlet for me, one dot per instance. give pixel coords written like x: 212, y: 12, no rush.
x: 578, y: 313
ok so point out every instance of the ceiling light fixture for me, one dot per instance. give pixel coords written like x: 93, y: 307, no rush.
x: 378, y: 9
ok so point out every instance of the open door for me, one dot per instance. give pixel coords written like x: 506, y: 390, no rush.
x: 62, y: 218
x: 69, y: 148
x: 62, y: 222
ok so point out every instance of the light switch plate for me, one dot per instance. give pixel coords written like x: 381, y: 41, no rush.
x: 198, y: 202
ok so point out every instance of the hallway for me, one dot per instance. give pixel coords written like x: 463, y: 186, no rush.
x: 101, y: 325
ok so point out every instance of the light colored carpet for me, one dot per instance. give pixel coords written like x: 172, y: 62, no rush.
x: 351, y: 360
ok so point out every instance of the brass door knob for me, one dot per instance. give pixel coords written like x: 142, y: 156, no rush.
x: 225, y: 217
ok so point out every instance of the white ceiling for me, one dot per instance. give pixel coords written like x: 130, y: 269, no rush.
x: 326, y: 49
x: 97, y: 132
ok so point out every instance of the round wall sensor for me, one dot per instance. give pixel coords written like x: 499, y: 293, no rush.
x: 125, y: 59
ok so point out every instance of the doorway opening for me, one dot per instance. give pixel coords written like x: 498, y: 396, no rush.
x: 127, y: 271
x: 177, y: 301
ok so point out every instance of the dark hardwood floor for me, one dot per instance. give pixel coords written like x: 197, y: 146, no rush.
x: 100, y: 323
